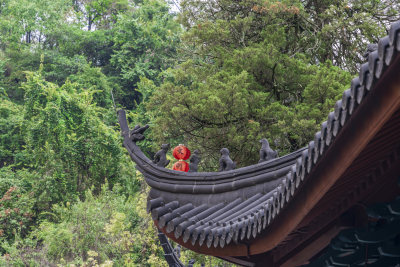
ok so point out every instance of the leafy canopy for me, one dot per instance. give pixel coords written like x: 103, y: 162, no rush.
x: 247, y: 74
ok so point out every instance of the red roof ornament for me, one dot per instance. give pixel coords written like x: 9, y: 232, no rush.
x: 181, y: 152
x: 181, y: 165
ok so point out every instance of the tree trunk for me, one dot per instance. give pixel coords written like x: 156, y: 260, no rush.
x: 28, y: 37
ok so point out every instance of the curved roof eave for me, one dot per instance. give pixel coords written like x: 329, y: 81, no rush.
x: 263, y: 212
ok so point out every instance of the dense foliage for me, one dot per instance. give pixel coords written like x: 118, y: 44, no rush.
x: 214, y: 74
x: 255, y: 69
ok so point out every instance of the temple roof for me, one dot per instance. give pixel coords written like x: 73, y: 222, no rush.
x: 215, y: 208
x: 252, y: 210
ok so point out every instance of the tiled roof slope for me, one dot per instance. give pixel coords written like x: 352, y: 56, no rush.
x: 197, y: 211
x: 214, y: 209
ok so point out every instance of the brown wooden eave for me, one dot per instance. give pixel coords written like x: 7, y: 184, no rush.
x: 371, y: 178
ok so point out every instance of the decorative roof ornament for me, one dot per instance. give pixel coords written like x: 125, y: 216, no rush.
x: 160, y: 158
x: 194, y: 161
x: 225, y: 162
x: 181, y: 153
x: 181, y: 166
x: 266, y: 153
x: 137, y: 133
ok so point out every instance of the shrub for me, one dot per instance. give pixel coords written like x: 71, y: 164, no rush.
x: 98, y: 229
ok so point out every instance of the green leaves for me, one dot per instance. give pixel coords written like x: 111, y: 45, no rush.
x: 73, y: 233
x: 247, y: 74
x: 69, y: 145
x: 11, y: 140
x: 16, y: 205
x: 144, y: 45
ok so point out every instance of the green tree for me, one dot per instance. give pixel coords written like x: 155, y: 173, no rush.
x: 26, y: 22
x: 342, y: 29
x: 96, y: 230
x: 59, y: 142
x: 98, y: 13
x: 17, y: 211
x: 11, y: 137
x: 251, y: 69
x: 325, y: 30
x: 68, y: 145
x: 144, y: 45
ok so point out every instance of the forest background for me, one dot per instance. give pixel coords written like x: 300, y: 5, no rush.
x: 209, y: 74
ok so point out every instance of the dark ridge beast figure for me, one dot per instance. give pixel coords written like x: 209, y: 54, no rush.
x: 194, y: 161
x: 160, y: 158
x: 225, y: 162
x: 137, y: 133
x: 266, y: 153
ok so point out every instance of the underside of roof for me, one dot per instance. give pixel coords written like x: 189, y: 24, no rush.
x: 284, y: 211
x: 374, y: 244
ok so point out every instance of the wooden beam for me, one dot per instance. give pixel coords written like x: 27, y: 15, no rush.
x: 316, y: 241
x: 323, y: 240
